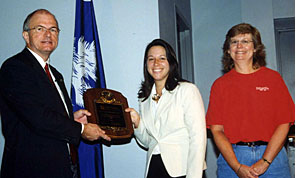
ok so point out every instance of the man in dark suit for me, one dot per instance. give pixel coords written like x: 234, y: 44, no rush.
x: 37, y: 118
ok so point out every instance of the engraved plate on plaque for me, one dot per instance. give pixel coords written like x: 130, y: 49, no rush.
x: 107, y: 108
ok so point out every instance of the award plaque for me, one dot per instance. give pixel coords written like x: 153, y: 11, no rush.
x: 107, y: 108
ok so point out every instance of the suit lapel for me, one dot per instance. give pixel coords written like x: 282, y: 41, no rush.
x: 60, y: 82
x: 154, y: 120
x: 33, y: 62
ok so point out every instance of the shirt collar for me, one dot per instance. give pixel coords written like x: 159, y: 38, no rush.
x: 39, y: 58
x: 153, y: 91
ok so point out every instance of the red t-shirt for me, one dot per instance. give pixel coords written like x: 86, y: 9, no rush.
x: 250, y: 106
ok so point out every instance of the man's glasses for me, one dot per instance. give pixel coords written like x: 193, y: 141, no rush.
x: 42, y: 29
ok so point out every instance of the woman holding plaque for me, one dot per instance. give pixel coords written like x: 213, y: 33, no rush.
x: 171, y: 122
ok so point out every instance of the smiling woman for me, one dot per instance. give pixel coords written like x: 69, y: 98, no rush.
x: 171, y: 123
x: 158, y: 66
x: 241, y: 51
x: 243, y: 39
x: 250, y: 110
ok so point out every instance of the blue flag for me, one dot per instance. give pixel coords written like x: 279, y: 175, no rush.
x: 87, y: 73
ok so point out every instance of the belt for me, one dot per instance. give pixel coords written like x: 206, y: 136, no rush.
x: 257, y: 143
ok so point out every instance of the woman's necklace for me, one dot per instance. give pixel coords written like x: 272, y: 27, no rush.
x: 156, y: 97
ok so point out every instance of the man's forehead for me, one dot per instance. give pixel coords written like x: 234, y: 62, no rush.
x: 42, y: 17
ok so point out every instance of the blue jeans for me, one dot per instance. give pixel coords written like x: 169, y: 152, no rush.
x: 250, y: 155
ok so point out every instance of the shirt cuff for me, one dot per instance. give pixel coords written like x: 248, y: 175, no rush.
x: 82, y: 128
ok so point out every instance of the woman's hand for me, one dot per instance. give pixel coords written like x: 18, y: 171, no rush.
x: 260, y: 166
x: 226, y: 149
x: 247, y: 172
x: 135, y: 117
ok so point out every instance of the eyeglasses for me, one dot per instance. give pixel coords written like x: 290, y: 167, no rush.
x: 243, y: 42
x: 42, y: 29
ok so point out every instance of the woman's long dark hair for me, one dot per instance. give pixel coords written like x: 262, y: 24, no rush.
x: 258, y: 57
x: 174, y: 76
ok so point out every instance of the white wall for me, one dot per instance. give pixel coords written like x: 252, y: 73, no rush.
x: 283, y: 8
x: 125, y: 28
x: 262, y: 19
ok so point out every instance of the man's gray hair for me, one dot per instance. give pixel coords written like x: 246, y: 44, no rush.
x: 28, y: 18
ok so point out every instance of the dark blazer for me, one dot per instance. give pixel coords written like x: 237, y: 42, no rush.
x: 35, y: 124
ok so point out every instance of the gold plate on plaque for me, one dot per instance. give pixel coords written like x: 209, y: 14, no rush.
x: 107, y: 108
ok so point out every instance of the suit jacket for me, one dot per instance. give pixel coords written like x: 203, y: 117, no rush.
x: 35, y: 124
x: 178, y: 128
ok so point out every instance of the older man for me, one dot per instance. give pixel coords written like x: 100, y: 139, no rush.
x: 37, y: 118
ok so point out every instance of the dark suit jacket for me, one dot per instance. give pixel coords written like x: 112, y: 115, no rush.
x: 35, y: 124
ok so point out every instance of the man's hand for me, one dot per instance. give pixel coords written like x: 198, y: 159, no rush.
x: 93, y: 132
x: 81, y: 116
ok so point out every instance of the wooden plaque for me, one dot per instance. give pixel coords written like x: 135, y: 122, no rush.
x: 107, y: 108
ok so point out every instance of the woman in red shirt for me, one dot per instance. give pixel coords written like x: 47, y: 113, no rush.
x: 250, y: 110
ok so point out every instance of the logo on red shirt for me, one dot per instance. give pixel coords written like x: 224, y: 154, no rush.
x: 262, y: 88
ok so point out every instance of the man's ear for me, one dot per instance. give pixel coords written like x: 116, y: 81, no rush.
x: 26, y: 36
